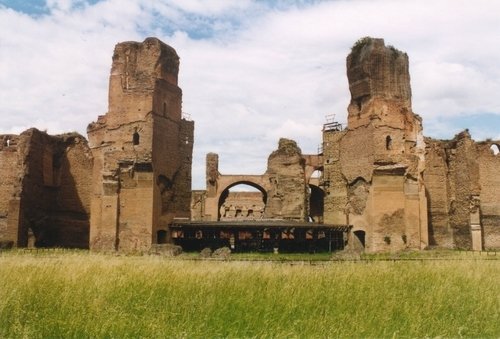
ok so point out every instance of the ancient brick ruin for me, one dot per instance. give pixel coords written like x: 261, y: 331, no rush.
x: 122, y: 189
x: 397, y: 189
x: 45, y: 190
x: 383, y: 186
x: 142, y: 150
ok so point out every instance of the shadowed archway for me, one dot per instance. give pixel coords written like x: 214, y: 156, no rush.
x: 225, y: 194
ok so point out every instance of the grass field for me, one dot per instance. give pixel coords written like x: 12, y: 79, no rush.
x: 79, y: 294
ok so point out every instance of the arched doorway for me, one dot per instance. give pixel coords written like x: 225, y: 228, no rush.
x: 242, y: 201
x: 316, y: 204
x: 360, y: 236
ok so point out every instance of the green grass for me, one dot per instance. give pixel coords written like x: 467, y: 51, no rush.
x: 256, y: 256
x: 78, y: 294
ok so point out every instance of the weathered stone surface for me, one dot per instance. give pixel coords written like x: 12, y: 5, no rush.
x: 222, y: 253
x: 374, y: 167
x: 284, y: 189
x: 456, y: 171
x: 45, y: 189
x: 206, y: 252
x: 129, y: 185
x: 243, y: 206
x: 489, y: 180
x: 377, y: 76
x: 142, y: 149
x: 398, y: 190
x: 285, y: 169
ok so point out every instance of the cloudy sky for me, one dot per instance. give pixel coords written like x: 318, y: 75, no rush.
x: 252, y: 71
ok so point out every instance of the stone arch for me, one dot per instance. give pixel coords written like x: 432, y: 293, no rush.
x: 317, y: 173
x: 225, y: 192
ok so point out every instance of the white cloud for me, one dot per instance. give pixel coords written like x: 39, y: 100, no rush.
x: 251, y: 71
x: 207, y: 8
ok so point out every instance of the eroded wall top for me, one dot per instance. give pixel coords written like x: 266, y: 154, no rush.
x: 374, y: 69
x: 141, y: 71
x: 139, y: 64
x: 377, y: 73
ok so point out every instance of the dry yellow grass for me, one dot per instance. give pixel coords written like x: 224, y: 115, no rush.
x: 77, y: 294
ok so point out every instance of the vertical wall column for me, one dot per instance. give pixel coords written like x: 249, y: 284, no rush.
x: 475, y: 223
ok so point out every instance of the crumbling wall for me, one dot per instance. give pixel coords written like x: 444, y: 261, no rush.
x: 70, y: 215
x: 10, y: 188
x: 378, y: 79
x: 175, y: 179
x: 284, y: 189
x: 48, y: 200
x: 489, y: 180
x: 452, y: 179
x: 288, y: 197
x: 198, y: 198
x: 333, y: 180
x: 437, y: 191
x: 143, y: 150
x: 463, y: 173
x: 212, y: 172
x: 464, y: 183
x: 374, y: 167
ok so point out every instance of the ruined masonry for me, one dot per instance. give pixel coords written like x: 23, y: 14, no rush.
x: 120, y: 190
x: 396, y: 188
x: 382, y: 185
x: 45, y: 190
x: 142, y: 150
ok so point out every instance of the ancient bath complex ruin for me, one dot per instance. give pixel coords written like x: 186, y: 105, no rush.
x: 383, y: 185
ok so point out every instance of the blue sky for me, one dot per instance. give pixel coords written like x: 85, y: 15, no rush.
x: 251, y: 71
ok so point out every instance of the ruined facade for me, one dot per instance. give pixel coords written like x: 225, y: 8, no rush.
x: 45, y: 190
x: 375, y: 166
x: 142, y: 150
x: 398, y: 189
x: 462, y: 185
x: 120, y: 190
x: 284, y: 187
x: 383, y: 186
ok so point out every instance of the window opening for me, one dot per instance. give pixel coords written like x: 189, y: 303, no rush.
x: 388, y: 142
x: 495, y: 149
x: 135, y: 138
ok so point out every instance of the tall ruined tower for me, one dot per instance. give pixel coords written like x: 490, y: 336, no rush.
x: 142, y: 150
x: 373, y: 169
